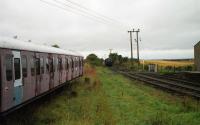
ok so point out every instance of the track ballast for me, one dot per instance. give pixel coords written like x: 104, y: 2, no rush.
x: 167, y: 83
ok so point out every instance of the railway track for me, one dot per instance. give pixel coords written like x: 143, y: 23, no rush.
x: 182, y: 81
x: 171, y: 84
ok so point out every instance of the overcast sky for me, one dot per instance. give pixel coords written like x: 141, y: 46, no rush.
x: 169, y: 28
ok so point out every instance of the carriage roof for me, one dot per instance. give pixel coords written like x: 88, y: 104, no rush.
x: 11, y: 43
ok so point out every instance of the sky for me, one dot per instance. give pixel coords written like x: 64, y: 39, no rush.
x: 169, y: 29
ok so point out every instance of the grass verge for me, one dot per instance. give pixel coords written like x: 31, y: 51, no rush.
x: 103, y: 97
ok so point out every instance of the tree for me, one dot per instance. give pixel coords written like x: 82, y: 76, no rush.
x: 114, y: 57
x: 117, y: 59
x: 125, y: 59
x: 56, y: 46
x: 91, y: 57
x: 94, y: 60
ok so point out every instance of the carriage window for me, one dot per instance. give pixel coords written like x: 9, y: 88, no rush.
x: 63, y: 63
x: 66, y: 64
x: 47, y: 65
x: 32, y: 66
x: 37, y: 63
x: 17, y: 68
x: 42, y: 65
x: 76, y: 63
x: 8, y: 62
x: 59, y: 64
x: 24, y: 66
x: 51, y: 69
x: 55, y: 64
x: 80, y: 63
x: 72, y: 64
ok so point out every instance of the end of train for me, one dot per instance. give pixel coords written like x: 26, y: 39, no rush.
x: 108, y: 62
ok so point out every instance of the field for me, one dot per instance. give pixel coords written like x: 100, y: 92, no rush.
x: 172, y: 63
x: 103, y: 97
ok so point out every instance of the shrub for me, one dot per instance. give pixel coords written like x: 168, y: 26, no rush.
x: 94, y: 60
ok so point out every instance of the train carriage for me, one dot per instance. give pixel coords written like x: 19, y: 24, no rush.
x: 28, y: 71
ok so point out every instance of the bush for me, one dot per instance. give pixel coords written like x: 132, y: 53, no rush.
x: 94, y: 60
x: 169, y: 68
x: 188, y: 68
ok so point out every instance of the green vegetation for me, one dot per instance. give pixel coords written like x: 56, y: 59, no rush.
x: 164, y: 66
x: 118, y: 59
x: 121, y: 62
x: 134, y: 103
x: 103, y: 97
x: 56, y: 46
x: 93, y: 60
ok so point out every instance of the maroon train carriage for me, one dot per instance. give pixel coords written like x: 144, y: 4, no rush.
x: 29, y: 71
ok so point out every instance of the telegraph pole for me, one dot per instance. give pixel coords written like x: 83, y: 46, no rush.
x: 15, y: 37
x: 110, y: 50
x: 131, y: 45
x: 138, y: 54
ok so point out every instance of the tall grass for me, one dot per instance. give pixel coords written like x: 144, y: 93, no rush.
x: 103, y: 97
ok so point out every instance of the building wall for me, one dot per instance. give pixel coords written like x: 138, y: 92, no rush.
x: 197, y: 56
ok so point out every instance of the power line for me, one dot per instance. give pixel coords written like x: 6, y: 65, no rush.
x: 86, y: 9
x: 84, y: 12
x: 65, y: 9
x: 79, y: 11
x: 92, y: 11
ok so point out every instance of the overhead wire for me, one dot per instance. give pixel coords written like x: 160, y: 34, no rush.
x: 75, y: 12
x: 88, y: 13
x: 96, y: 13
x: 77, y: 9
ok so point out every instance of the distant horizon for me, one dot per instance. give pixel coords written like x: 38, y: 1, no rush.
x: 151, y: 59
x: 147, y: 54
x: 168, y: 29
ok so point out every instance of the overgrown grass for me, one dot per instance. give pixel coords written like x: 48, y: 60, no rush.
x: 103, y: 97
x: 134, y: 103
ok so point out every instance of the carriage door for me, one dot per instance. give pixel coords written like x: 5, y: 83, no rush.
x: 51, y: 72
x: 69, y: 69
x: 72, y: 67
x: 59, y: 69
x: 18, y: 90
x: 38, y: 76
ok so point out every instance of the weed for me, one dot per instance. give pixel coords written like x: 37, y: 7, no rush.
x: 108, y: 99
x: 159, y: 119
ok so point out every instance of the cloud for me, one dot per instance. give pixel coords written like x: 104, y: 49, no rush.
x: 167, y: 26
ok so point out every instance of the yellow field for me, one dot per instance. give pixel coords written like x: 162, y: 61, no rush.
x: 169, y: 63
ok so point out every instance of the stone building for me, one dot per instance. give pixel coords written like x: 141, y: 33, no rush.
x: 197, y: 56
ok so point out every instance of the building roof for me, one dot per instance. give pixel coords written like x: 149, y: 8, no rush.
x: 11, y: 43
x: 198, y: 44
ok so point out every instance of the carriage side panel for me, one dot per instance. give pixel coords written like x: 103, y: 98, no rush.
x: 63, y: 70
x: 44, y: 76
x: 55, y: 67
x: 28, y: 88
x: 7, y: 73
